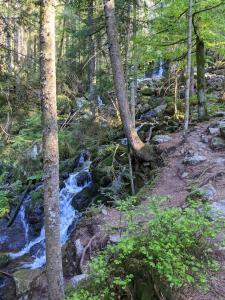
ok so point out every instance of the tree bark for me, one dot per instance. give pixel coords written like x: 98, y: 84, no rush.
x: 141, y: 150
x: 176, y: 87
x: 200, y: 59
x: 192, y: 82
x: 92, y: 53
x: 134, y: 68
x: 50, y: 152
x: 9, y: 56
x: 61, y: 44
x: 188, y: 70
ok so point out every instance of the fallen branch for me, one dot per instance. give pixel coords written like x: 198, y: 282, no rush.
x: 6, y: 274
x: 149, y: 134
x: 85, y: 250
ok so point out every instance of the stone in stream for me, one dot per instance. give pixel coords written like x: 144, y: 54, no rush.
x: 161, y: 139
x: 194, y: 159
x: 217, y: 143
x: 81, y: 200
x: 82, y: 178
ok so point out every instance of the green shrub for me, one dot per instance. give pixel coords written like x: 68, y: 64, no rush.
x: 4, y: 204
x: 64, y: 105
x: 172, y: 248
x: 31, y: 132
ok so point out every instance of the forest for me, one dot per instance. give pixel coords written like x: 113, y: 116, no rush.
x: 112, y: 149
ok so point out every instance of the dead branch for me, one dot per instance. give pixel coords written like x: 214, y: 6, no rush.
x: 85, y: 251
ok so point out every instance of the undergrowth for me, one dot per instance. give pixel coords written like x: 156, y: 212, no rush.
x: 170, y: 246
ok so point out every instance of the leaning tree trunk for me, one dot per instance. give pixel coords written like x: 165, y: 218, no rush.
x: 200, y: 58
x: 188, y: 71
x: 50, y: 152
x: 141, y: 150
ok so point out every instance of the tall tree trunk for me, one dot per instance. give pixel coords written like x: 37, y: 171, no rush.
x: 16, y: 56
x: 176, y: 87
x: 188, y: 70
x: 29, y: 51
x: 143, y: 151
x: 92, y: 53
x: 192, y: 82
x: 126, y: 42
x: 61, y: 44
x: 9, y: 56
x: 134, y: 69
x: 50, y: 152
x: 200, y: 59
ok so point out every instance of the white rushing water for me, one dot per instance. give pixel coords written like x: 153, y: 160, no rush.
x: 156, y: 75
x: 68, y: 216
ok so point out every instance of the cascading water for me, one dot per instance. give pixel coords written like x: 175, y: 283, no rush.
x: 156, y: 74
x: 68, y: 217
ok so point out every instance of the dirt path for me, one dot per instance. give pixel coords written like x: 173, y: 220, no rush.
x: 184, y: 169
x: 181, y: 174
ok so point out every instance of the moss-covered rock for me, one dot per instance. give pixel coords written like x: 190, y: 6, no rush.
x: 24, y: 279
x: 4, y: 260
x: 217, y: 143
x: 81, y: 200
x: 35, y: 211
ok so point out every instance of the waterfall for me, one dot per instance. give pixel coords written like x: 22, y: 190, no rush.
x: 68, y: 217
x: 158, y: 73
x: 99, y: 102
x: 155, y: 74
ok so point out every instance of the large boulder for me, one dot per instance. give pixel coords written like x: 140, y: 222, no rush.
x: 34, y: 151
x: 205, y: 193
x: 157, y: 111
x: 214, y: 82
x: 81, y: 102
x: 159, y: 139
x: 194, y: 159
x: 217, y: 143
x: 81, y: 200
x: 24, y: 279
x: 35, y: 211
x: 11, y: 238
x: 222, y: 129
x: 218, y: 208
x: 83, y: 178
x: 213, y: 129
